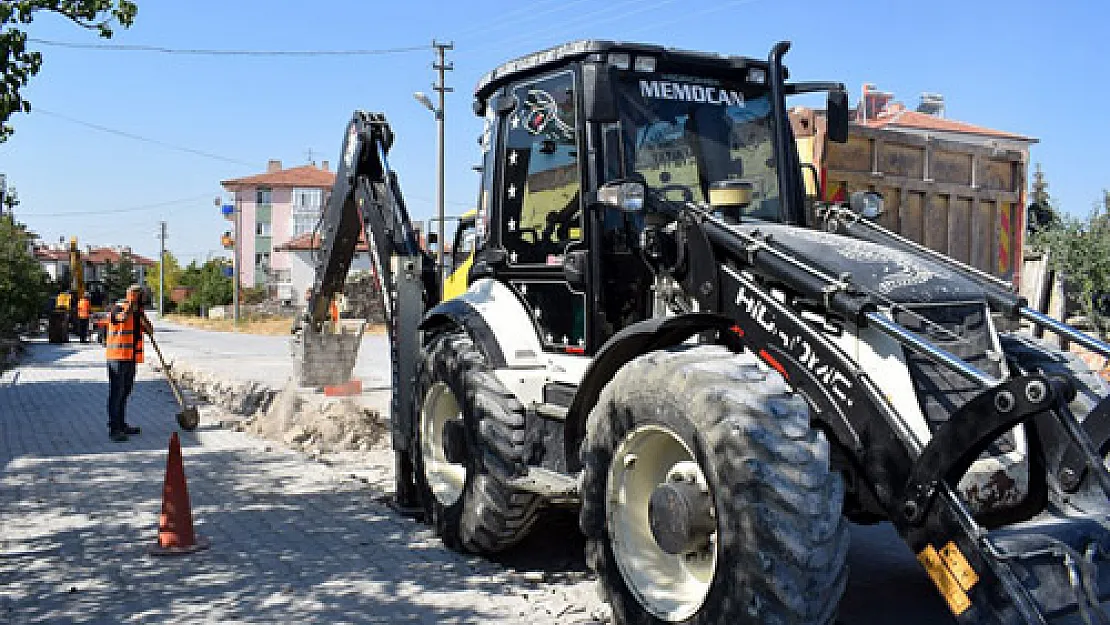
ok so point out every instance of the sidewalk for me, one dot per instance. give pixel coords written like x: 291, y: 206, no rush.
x: 293, y: 541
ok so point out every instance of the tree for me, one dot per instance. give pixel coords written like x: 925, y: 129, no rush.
x: 21, y: 64
x: 173, y: 276
x: 211, y: 287
x: 1080, y: 249
x: 117, y: 277
x: 1042, y: 211
x: 23, y: 282
x: 10, y: 201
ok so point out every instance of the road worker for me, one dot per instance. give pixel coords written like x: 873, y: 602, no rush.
x: 333, y: 314
x: 126, y: 325
x: 84, y: 309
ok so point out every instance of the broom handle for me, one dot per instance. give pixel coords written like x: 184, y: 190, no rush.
x: 165, y: 370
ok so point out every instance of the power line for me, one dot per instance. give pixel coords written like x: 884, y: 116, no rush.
x: 686, y: 15
x: 131, y: 209
x: 118, y: 47
x: 532, y: 12
x: 136, y: 137
x: 580, y: 18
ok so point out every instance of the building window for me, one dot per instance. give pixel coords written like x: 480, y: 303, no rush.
x: 307, y: 204
x: 263, y: 195
x: 282, y: 276
x: 262, y: 259
x: 263, y: 229
x: 307, y: 199
x: 304, y: 222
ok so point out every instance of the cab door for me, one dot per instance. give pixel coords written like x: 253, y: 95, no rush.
x: 539, y: 222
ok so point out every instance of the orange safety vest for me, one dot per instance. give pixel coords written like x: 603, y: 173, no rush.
x: 333, y: 310
x: 125, y: 336
x: 83, y: 308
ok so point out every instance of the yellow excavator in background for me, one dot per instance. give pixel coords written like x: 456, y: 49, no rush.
x: 63, y: 318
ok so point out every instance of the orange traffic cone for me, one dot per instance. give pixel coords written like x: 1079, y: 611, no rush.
x: 175, y: 526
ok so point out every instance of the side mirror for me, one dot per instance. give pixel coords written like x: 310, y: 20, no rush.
x: 626, y: 196
x: 866, y: 204
x: 836, y: 111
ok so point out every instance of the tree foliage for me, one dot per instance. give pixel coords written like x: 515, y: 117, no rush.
x: 23, y: 282
x: 1042, y: 208
x: 173, y: 276
x: 210, y: 286
x: 21, y: 63
x: 1080, y: 249
x: 119, y: 276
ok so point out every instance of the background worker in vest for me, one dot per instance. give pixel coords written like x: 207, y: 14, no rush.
x: 126, y: 324
x: 84, y: 309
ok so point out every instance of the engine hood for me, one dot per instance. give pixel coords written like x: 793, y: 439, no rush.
x: 889, y: 273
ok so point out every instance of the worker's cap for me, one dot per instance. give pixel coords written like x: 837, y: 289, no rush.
x: 135, y: 288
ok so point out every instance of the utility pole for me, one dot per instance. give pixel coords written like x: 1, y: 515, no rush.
x: 161, y: 268
x: 237, y: 262
x: 442, y: 66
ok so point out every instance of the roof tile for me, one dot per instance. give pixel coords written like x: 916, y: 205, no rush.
x: 311, y: 241
x: 304, y: 176
x: 899, y: 116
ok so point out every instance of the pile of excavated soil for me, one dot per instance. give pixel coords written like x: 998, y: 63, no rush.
x: 309, y: 423
x: 297, y: 418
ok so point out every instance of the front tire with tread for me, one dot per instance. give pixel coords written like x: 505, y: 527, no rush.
x: 489, y: 516
x: 780, y: 540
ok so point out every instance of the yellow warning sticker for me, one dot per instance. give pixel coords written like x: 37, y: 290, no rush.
x: 959, y: 566
x: 945, y: 581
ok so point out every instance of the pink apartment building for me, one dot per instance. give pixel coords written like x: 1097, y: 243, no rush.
x: 276, y: 207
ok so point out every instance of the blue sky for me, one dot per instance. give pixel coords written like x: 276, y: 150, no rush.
x: 1019, y: 66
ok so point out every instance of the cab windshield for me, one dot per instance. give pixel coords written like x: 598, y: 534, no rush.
x: 683, y: 133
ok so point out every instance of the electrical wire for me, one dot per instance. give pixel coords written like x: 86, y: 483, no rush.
x: 132, y: 209
x: 117, y: 47
x: 590, y: 18
x: 671, y: 20
x: 136, y: 137
x: 505, y: 21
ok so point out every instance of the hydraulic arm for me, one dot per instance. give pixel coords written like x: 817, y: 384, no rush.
x: 366, y: 196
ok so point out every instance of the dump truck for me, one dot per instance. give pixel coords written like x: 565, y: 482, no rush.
x: 663, y: 332
x: 953, y: 187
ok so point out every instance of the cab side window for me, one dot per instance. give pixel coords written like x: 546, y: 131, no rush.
x: 541, y: 208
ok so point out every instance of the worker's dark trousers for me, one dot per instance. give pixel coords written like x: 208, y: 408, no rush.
x: 83, y: 330
x: 121, y: 377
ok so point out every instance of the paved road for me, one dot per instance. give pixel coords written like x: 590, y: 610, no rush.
x: 293, y: 540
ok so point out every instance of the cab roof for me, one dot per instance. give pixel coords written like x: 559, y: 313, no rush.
x: 596, y: 50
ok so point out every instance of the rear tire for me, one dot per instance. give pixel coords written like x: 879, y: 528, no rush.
x: 777, y: 551
x: 469, y: 503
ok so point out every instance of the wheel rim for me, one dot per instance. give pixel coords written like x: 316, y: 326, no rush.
x: 671, y: 587
x: 445, y: 479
